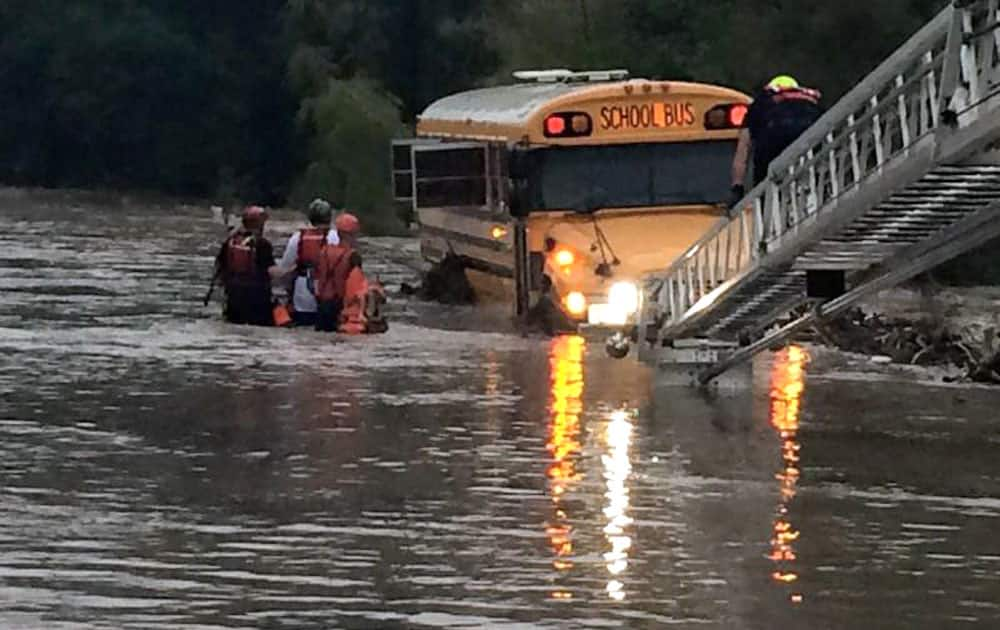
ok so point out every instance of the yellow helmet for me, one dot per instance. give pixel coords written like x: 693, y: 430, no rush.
x: 782, y: 82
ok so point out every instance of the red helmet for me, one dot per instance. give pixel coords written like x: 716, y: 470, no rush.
x: 254, y: 216
x: 347, y: 223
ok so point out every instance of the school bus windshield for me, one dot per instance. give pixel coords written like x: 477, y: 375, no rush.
x: 630, y: 176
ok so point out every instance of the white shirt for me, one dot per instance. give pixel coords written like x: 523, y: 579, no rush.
x: 302, y: 298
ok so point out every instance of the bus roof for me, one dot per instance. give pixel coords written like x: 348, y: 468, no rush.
x: 513, y: 113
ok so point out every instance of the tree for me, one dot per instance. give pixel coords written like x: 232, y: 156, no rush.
x: 418, y: 51
x: 352, y: 123
x: 160, y: 95
x: 740, y: 43
x: 359, y: 68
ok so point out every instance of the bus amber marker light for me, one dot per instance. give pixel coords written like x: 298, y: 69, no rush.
x: 565, y: 258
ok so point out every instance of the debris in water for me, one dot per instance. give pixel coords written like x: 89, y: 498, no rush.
x: 925, y: 342
x: 446, y: 283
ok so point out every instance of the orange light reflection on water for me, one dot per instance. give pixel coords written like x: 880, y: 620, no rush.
x: 787, y: 387
x: 565, y: 406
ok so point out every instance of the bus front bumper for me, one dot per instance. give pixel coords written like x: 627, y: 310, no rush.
x: 607, y: 316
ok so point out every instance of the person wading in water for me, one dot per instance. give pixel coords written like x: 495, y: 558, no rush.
x: 244, y: 264
x: 301, y: 256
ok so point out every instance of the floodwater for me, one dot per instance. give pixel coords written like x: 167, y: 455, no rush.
x: 160, y: 469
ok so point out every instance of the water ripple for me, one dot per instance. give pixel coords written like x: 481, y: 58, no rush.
x: 160, y: 469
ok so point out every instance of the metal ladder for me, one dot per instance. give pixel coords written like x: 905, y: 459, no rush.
x: 901, y: 175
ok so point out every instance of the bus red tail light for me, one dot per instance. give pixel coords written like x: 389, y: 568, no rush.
x: 568, y: 125
x: 730, y: 116
x: 555, y: 126
x: 738, y: 114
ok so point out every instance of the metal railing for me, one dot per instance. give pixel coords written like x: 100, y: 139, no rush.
x: 935, y: 79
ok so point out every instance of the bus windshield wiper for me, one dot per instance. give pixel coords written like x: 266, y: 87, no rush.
x: 603, y: 269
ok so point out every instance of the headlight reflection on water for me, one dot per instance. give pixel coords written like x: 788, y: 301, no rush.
x: 565, y: 409
x: 787, y: 387
x: 617, y: 470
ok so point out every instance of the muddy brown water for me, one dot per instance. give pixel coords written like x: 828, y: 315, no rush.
x: 161, y: 469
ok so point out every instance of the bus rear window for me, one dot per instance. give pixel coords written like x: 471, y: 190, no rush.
x: 451, y: 177
x: 634, y: 175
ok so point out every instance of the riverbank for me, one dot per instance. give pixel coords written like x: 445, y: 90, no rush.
x: 947, y: 334
x: 955, y: 328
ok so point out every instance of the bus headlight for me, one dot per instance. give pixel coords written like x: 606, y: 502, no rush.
x: 576, y: 304
x: 624, y: 296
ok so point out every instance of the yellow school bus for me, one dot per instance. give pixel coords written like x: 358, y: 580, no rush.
x: 569, y: 184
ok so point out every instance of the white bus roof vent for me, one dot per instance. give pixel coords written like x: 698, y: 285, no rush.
x: 543, y: 76
x: 567, y: 76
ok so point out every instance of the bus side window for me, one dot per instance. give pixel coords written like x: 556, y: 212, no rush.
x: 450, y: 177
x: 401, y: 158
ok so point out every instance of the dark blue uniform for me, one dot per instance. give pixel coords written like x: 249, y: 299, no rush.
x: 776, y: 118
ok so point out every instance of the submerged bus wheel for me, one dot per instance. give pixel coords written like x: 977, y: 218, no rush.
x: 447, y: 283
x: 550, y: 318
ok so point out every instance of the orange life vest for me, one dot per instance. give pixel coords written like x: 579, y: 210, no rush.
x: 363, y: 302
x: 352, y: 317
x: 332, y: 270
x: 241, y: 254
x: 311, y: 242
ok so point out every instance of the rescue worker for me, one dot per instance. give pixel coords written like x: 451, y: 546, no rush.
x: 363, y: 298
x: 301, y: 256
x: 245, y: 263
x: 335, y: 269
x: 777, y: 117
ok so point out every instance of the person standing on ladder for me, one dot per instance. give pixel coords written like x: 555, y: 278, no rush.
x: 778, y: 116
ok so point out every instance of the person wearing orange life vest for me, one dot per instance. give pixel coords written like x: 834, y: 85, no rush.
x: 777, y: 117
x: 337, y: 264
x: 301, y: 256
x: 362, y: 301
x: 244, y: 263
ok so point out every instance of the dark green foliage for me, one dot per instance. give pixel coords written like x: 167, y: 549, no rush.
x: 352, y: 124
x: 741, y: 43
x: 275, y: 100
x: 360, y: 68
x: 161, y: 95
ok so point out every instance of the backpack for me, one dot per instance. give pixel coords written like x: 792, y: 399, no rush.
x: 241, y: 254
